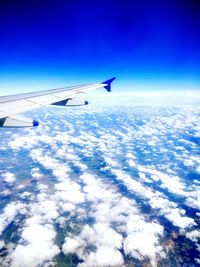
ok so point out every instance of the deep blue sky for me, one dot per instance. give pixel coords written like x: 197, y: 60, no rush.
x: 53, y: 43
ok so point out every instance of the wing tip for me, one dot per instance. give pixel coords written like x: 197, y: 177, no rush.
x: 108, y: 84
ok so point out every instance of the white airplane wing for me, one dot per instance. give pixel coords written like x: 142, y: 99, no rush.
x: 12, y: 105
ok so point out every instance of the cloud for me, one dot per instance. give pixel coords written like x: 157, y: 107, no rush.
x: 2, y: 244
x: 103, y: 257
x: 172, y: 183
x: 29, y: 140
x: 9, y: 177
x: 193, y: 235
x: 90, y: 177
x: 10, y: 212
x: 109, y: 208
x: 37, y: 243
x: 69, y: 191
x: 35, y: 173
x: 38, y: 248
x: 48, y: 209
x: 101, y: 234
x: 143, y: 239
x: 155, y: 199
x: 194, y: 203
x: 71, y: 245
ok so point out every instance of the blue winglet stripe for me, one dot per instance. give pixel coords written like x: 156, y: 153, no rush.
x: 108, y: 82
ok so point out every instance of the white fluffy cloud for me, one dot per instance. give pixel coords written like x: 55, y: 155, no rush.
x: 103, y: 257
x: 193, y: 235
x: 102, y: 235
x: 69, y: 192
x: 9, y: 177
x: 143, y: 238
x: 71, y: 245
x: 39, y: 246
x: 9, y: 214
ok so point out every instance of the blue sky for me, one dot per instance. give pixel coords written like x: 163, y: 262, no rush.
x: 145, y: 44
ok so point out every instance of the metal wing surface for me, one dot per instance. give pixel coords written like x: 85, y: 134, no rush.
x: 12, y: 105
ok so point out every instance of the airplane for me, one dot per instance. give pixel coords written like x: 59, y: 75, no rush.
x: 12, y: 105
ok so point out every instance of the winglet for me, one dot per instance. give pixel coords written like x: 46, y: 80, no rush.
x: 108, y: 84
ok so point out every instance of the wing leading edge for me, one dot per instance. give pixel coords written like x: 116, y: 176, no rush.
x: 11, y: 106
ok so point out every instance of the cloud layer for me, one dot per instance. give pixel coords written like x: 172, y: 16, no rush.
x: 113, y: 188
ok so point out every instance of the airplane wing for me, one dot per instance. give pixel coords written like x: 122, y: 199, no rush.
x: 12, y: 105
